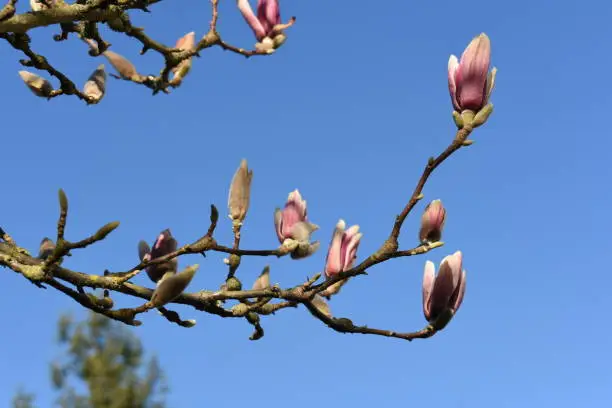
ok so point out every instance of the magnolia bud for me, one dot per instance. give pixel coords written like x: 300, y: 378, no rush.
x: 444, y: 293
x: 185, y: 43
x: 105, y: 230
x: 305, y: 249
x: 38, y: 85
x: 432, y: 222
x: 333, y: 289
x: 95, y: 87
x: 172, y: 285
x: 321, y: 305
x: 263, y: 281
x: 144, y: 250
x: 124, y: 67
x: 239, y: 309
x: 163, y: 245
x: 189, y: 323
x: 46, y: 248
x: 342, y: 251
x: 469, y: 81
x: 233, y: 284
x: 240, y: 192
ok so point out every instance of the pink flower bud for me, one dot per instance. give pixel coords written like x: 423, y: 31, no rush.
x: 469, y: 82
x: 185, y: 43
x: 432, y: 222
x: 163, y: 245
x: 292, y: 224
x: 443, y: 293
x: 343, y: 249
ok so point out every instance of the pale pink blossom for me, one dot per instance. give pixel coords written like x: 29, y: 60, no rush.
x: 469, y: 81
x: 342, y: 251
x: 444, y: 292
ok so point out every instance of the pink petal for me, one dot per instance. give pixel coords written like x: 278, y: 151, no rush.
x: 186, y: 42
x: 428, y: 284
x: 350, y: 243
x: 453, y: 65
x: 333, y: 264
x: 457, y: 298
x: 251, y: 19
x: 443, y: 288
x: 291, y: 216
x: 473, y: 72
x: 300, y: 204
x: 268, y: 13
x: 278, y: 224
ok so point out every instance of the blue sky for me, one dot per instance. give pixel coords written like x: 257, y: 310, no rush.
x: 348, y: 112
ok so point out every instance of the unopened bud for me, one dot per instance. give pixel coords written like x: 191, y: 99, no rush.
x: 124, y: 67
x: 240, y: 192
x: 46, y: 248
x: 321, y: 305
x: 305, y: 249
x: 252, y: 317
x: 38, y: 85
x: 432, y: 222
x: 263, y: 281
x: 105, y: 230
x: 239, y: 309
x: 63, y: 200
x: 172, y: 285
x: 233, y: 284
x: 333, y: 289
x: 95, y: 87
x: 189, y: 323
x: 185, y: 43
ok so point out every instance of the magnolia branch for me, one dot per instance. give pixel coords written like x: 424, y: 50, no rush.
x: 442, y: 294
x: 83, y: 20
x: 252, y: 302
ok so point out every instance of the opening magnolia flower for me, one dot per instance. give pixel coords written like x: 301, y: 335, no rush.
x: 443, y: 294
x: 293, y: 228
x: 342, y: 251
x: 469, y: 81
x: 163, y: 245
x: 266, y: 25
x: 294, y: 213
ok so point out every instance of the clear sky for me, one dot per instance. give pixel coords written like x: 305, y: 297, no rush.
x: 348, y: 112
